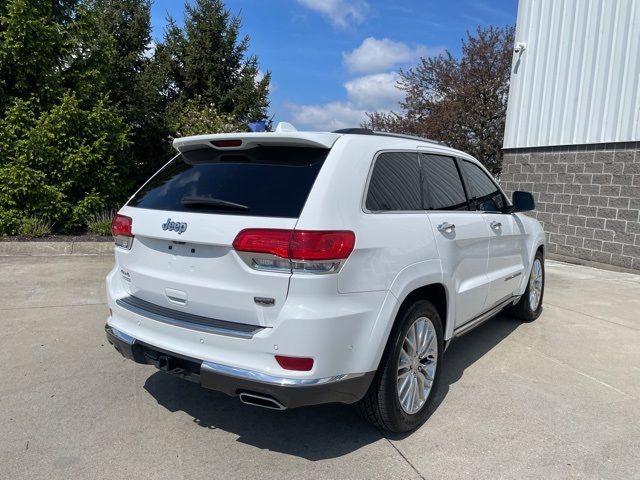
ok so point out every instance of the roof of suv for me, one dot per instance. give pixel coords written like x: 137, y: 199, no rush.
x: 289, y: 136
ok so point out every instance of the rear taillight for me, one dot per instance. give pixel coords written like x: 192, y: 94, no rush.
x: 121, y: 230
x: 310, y: 251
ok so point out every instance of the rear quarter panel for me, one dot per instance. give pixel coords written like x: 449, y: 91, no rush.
x: 386, y: 243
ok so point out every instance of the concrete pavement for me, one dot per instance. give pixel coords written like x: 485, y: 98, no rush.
x: 558, y: 398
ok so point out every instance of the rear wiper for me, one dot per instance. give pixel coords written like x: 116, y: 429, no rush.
x: 195, y: 202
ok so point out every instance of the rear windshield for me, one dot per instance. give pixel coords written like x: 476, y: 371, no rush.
x: 261, y: 181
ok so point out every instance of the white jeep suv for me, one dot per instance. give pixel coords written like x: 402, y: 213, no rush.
x: 298, y: 268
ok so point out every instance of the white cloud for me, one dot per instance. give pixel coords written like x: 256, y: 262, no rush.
x: 370, y: 93
x: 339, y: 12
x: 328, y: 117
x: 375, y: 55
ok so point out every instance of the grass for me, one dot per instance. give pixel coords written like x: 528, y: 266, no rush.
x: 100, y: 223
x: 35, y: 227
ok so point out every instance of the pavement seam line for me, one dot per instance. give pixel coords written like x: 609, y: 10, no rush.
x: 592, y: 316
x: 403, y: 456
x: 52, y: 306
x: 574, y: 369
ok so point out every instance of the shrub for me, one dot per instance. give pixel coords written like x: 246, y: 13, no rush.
x: 62, y: 164
x: 100, y: 223
x: 35, y: 227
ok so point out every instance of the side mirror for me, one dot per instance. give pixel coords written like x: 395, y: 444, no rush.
x: 523, y: 202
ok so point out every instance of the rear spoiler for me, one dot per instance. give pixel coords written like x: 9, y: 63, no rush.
x: 247, y: 140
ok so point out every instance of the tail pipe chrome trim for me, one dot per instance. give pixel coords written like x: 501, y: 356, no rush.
x: 263, y: 401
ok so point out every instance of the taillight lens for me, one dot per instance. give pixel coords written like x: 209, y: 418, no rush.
x: 262, y: 240
x: 310, y: 251
x: 312, y: 245
x: 121, y: 230
x: 300, y: 364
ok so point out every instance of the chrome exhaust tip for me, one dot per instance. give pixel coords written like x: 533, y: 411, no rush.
x: 261, y: 401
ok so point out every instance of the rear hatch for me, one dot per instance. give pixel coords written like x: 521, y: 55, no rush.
x: 185, y: 219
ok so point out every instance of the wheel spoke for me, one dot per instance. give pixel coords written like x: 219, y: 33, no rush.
x: 414, y: 393
x: 404, y: 361
x: 421, y: 334
x: 410, y: 341
x: 431, y: 345
x: 403, y: 387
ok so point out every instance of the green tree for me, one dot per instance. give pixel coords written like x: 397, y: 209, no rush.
x: 193, y: 117
x: 208, y: 59
x: 461, y: 101
x: 201, y: 79
x: 116, y: 41
x: 62, y: 139
x: 34, y: 41
x: 87, y: 112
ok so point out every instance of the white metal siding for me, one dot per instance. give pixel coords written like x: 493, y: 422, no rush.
x: 578, y: 80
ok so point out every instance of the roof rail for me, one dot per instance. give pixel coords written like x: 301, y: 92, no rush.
x: 368, y: 131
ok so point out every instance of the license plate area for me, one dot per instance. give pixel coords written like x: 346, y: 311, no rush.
x: 184, y: 367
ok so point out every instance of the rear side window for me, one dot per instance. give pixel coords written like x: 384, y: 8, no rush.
x: 484, y: 195
x: 395, y: 183
x: 441, y: 182
x: 262, y: 181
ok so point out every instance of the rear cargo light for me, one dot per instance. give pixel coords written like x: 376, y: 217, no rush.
x: 121, y: 230
x: 226, y: 143
x: 309, y: 251
x: 300, y: 364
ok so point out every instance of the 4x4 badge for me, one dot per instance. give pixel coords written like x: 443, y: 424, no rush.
x: 172, y: 226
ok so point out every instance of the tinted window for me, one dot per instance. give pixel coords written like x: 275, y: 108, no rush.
x: 442, y: 185
x: 483, y: 193
x: 395, y: 183
x: 262, y: 181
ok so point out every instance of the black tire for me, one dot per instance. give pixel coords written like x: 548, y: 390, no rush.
x: 381, y: 405
x: 522, y: 310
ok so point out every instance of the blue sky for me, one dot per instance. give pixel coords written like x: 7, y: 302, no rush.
x: 332, y: 60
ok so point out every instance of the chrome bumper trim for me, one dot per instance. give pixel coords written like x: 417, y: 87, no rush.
x: 265, y: 378
x: 244, y: 374
x: 128, y: 339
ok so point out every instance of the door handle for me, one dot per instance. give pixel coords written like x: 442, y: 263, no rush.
x: 446, y: 227
x: 495, y: 225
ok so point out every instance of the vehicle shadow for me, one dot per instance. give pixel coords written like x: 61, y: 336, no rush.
x: 313, y: 433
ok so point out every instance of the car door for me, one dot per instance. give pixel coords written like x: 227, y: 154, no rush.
x: 507, y: 245
x: 462, y: 236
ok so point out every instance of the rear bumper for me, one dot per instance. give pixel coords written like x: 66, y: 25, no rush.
x: 290, y: 392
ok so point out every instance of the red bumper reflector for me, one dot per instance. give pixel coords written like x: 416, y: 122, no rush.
x: 300, y: 364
